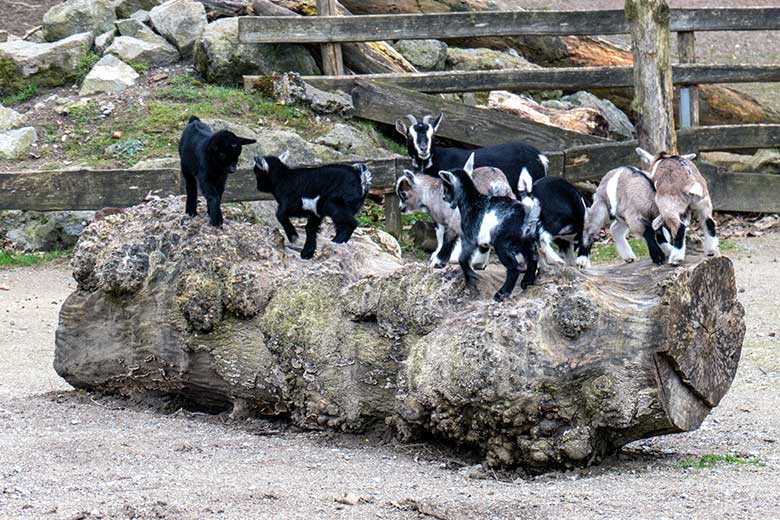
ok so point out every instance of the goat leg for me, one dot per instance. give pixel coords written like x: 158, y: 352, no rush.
x: 213, y: 201
x: 312, y: 228
x: 656, y: 254
x: 192, y: 194
x: 531, y: 256
x: 466, y: 252
x: 284, y: 220
x: 508, y: 258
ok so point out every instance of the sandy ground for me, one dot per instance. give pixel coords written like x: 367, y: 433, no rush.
x: 69, y: 455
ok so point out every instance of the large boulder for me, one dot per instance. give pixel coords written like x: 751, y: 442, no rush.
x: 43, y: 231
x: 181, y: 22
x: 126, y: 8
x: 130, y: 49
x: 221, y: 59
x: 348, y: 140
x: 485, y: 59
x: 110, y: 74
x: 78, y: 16
x: 45, y: 64
x: 10, y: 118
x: 14, y: 144
x: 620, y: 126
x: 103, y: 41
x: 423, y: 54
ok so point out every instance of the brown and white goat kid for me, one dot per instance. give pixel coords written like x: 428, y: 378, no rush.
x: 680, y: 190
x: 626, y: 196
x: 422, y: 192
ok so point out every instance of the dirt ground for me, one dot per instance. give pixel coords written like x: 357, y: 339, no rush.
x: 66, y: 454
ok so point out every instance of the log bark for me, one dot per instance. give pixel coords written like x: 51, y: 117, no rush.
x: 653, y: 91
x: 356, y: 339
x: 360, y: 58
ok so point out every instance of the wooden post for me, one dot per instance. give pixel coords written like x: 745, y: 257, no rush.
x: 332, y: 59
x: 653, y: 91
x: 689, y: 95
x: 392, y: 214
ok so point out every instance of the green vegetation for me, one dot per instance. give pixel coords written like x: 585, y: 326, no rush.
x: 9, y: 259
x: 139, y: 65
x: 20, y: 97
x: 85, y: 65
x: 607, y: 253
x: 710, y: 460
x: 373, y: 215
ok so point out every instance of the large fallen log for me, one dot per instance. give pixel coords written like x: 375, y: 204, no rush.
x: 356, y: 339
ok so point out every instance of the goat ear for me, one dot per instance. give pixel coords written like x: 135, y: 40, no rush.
x: 437, y: 122
x: 696, y: 190
x: 447, y: 177
x: 243, y: 141
x: 469, y: 166
x: 645, y: 156
x: 689, y: 156
x: 285, y: 155
x: 526, y: 182
x: 400, y: 127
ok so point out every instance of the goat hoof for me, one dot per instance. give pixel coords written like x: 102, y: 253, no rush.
x: 629, y: 260
x: 501, y: 296
x: 438, y: 265
x: 479, y: 267
x: 306, y: 254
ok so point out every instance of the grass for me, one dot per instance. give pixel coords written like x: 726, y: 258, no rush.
x: 9, y: 259
x: 373, y: 215
x: 607, y: 253
x: 85, y: 65
x: 20, y: 97
x: 710, y: 460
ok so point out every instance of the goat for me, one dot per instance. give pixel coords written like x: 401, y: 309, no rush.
x: 680, y: 190
x: 335, y: 190
x: 521, y: 163
x: 626, y: 196
x: 500, y: 223
x: 207, y: 158
x: 425, y: 193
x: 562, y: 220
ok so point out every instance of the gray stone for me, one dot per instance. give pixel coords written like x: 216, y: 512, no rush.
x: 221, y: 59
x: 766, y: 160
x: 181, y: 22
x: 110, y: 74
x: 158, y: 163
x: 620, y: 126
x: 126, y: 8
x: 10, y: 118
x: 15, y: 143
x: 424, y: 54
x: 78, y: 16
x: 43, y: 231
x: 733, y: 162
x: 103, y: 41
x: 142, y: 16
x: 48, y: 64
x: 3, y: 36
x: 485, y: 59
x: 35, y: 35
x: 289, y: 89
x: 351, y: 142
x: 136, y: 29
x: 132, y: 49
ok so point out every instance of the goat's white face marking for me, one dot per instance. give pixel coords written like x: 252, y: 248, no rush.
x: 486, y: 227
x: 612, y: 187
x: 310, y: 204
x: 422, y: 144
x: 677, y: 256
x: 526, y: 182
x: 711, y: 244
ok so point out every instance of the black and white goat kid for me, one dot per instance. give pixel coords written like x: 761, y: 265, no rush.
x: 207, y: 158
x: 335, y: 190
x: 521, y: 163
x: 499, y: 223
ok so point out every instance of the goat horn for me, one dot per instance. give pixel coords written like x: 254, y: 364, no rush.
x: 426, y: 119
x: 412, y: 119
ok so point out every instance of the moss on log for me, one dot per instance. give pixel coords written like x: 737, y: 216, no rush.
x: 357, y: 339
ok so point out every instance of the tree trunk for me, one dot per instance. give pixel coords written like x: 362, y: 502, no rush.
x: 653, y: 91
x: 357, y: 339
x: 360, y: 58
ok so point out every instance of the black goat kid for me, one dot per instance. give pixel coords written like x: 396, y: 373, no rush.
x: 207, y: 158
x: 521, y: 163
x: 336, y: 191
x: 562, y: 221
x: 500, y: 223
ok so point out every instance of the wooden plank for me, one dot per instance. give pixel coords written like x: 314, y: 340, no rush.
x: 83, y: 189
x: 332, y: 59
x: 728, y: 137
x: 749, y: 192
x: 588, y: 163
x: 340, y: 29
x: 569, y: 78
x: 393, y: 214
x: 476, y: 126
x: 686, y: 48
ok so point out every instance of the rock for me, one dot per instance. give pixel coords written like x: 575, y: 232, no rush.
x: 110, y: 74
x: 128, y: 8
x: 485, y: 59
x: 620, y: 126
x: 766, y: 160
x: 130, y: 49
x: 35, y: 35
x: 42, y: 231
x: 274, y: 142
x: 181, y: 22
x: 424, y: 54
x: 78, y: 16
x: 142, y: 16
x: 733, y: 162
x: 136, y: 29
x: 45, y: 64
x: 14, y: 144
x: 10, y: 118
x: 158, y: 163
x: 347, y: 140
x: 221, y: 59
x: 103, y: 41
x: 3, y: 36
x: 289, y: 89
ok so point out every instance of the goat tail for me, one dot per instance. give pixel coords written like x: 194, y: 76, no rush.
x: 365, y: 176
x: 193, y: 118
x: 533, y: 210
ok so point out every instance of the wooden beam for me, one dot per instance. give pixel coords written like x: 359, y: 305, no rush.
x: 335, y: 29
x: 476, y: 126
x: 749, y: 192
x: 728, y: 137
x: 689, y: 95
x: 332, y: 59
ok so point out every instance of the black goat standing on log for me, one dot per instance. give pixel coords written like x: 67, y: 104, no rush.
x: 335, y: 190
x: 521, y: 163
